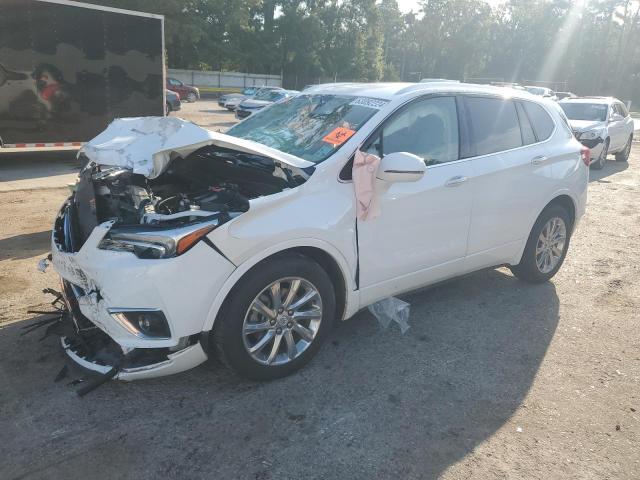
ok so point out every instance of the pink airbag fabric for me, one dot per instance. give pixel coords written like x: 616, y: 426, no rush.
x: 365, y: 166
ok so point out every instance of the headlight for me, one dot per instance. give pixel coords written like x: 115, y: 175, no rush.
x: 591, y: 134
x: 150, y: 243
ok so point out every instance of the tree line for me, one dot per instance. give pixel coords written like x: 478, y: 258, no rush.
x: 589, y: 47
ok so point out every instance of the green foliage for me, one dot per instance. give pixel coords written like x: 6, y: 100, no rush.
x: 592, y: 46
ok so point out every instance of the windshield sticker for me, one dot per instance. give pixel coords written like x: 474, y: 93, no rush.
x: 338, y: 136
x: 369, y: 102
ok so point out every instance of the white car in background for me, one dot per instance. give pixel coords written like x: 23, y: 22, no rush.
x: 252, y: 105
x: 603, y: 124
x: 541, y: 92
x: 183, y: 243
x: 232, y: 102
x: 222, y: 99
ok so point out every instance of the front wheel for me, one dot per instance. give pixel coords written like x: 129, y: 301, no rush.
x: 167, y: 109
x: 623, y: 156
x: 546, y: 247
x: 191, y: 97
x: 276, y: 318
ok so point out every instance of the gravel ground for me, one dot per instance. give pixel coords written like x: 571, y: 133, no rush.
x: 494, y: 379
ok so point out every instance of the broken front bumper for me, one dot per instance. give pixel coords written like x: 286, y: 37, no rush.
x: 98, y: 282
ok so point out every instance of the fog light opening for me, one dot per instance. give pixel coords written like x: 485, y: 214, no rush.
x: 143, y: 323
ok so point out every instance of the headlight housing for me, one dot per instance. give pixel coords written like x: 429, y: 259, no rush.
x: 591, y: 134
x: 155, y: 243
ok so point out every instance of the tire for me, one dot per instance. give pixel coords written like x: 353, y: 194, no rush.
x: 167, y: 109
x: 191, y: 97
x: 232, y: 345
x: 602, y: 159
x: 528, y: 269
x: 623, y: 156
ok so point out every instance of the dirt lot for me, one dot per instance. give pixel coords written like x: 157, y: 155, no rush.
x: 495, y: 378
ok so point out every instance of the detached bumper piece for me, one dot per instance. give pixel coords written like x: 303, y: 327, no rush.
x: 592, y: 143
x: 93, y: 349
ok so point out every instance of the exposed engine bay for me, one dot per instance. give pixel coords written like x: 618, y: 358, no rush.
x: 211, y: 182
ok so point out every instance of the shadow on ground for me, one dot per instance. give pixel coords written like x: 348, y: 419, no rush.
x: 28, y: 165
x: 25, y: 245
x: 373, y: 404
x: 611, y: 167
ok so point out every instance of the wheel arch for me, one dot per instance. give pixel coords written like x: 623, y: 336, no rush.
x: 324, y: 254
x: 566, y: 202
x: 562, y: 199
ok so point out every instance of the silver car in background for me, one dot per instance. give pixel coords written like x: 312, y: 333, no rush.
x: 249, y: 106
x: 602, y: 124
x: 234, y: 100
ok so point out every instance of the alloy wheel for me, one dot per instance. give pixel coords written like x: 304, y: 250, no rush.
x: 550, y: 245
x: 282, y: 321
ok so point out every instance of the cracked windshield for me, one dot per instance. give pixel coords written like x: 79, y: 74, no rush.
x: 309, y: 126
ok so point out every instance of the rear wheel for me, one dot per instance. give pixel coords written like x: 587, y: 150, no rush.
x: 276, y: 318
x: 167, y: 109
x: 602, y: 159
x: 623, y: 156
x: 546, y: 247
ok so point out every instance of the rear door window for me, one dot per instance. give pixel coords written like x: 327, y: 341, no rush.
x: 542, y: 123
x: 494, y: 123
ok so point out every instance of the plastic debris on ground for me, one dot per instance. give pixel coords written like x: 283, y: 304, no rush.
x: 389, y: 310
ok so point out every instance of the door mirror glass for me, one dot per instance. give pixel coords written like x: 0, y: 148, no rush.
x: 401, y: 167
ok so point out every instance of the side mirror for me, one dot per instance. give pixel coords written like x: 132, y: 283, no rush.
x: 401, y: 167
x: 615, y: 117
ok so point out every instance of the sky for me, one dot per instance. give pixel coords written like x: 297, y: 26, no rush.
x: 408, y: 5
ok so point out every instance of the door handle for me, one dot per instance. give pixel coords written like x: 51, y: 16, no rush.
x: 539, y: 160
x: 455, y: 181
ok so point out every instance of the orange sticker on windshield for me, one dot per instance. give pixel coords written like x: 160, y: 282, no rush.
x: 338, y: 136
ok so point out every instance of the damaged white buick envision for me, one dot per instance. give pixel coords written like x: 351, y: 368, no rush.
x: 180, y: 243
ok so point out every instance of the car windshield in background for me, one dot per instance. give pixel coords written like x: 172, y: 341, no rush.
x: 264, y: 94
x: 585, y: 111
x: 249, y: 91
x: 272, y: 96
x: 311, y: 127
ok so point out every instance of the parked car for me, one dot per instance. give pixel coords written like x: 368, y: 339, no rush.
x: 563, y: 95
x: 247, y: 92
x: 186, y: 92
x: 252, y: 105
x: 541, y: 92
x: 232, y: 103
x: 602, y: 124
x: 250, y: 245
x: 173, y: 102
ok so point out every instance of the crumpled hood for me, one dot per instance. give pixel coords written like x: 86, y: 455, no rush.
x: 146, y: 145
x: 585, y: 125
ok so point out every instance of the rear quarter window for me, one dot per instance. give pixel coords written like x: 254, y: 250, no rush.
x: 542, y: 123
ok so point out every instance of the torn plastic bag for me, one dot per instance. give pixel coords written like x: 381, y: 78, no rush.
x: 391, y: 309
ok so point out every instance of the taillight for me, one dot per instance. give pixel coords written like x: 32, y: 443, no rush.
x: 585, y: 153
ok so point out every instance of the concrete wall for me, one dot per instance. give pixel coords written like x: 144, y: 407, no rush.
x: 221, y: 81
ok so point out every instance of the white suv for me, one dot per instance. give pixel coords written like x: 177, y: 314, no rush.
x: 180, y: 243
x: 602, y: 124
